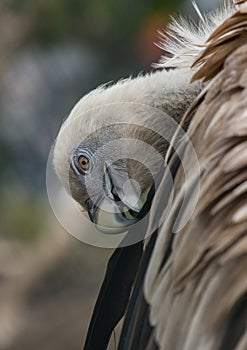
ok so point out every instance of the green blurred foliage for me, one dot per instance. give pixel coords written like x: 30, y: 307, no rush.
x: 96, y: 21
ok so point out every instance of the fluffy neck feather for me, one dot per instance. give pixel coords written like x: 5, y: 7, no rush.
x: 169, y: 91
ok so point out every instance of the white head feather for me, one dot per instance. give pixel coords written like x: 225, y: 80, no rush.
x: 185, y: 39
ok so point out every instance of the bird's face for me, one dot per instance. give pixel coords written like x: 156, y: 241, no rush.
x: 110, y: 186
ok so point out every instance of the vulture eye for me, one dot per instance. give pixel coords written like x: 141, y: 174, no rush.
x: 84, y: 163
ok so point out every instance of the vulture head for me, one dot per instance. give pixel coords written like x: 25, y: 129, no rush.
x: 111, y: 147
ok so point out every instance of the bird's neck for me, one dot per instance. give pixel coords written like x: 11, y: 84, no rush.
x: 169, y: 91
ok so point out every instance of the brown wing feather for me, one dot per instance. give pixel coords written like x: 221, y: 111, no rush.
x: 224, y: 40
x: 198, y: 297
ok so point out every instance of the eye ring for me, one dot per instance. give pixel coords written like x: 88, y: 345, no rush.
x: 83, y: 163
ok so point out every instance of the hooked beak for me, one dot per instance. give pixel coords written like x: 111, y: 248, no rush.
x: 121, y: 205
x: 122, y: 189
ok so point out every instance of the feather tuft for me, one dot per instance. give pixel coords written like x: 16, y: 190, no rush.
x: 184, y: 39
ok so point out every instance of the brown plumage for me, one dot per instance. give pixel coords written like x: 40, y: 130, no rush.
x: 190, y: 292
x: 196, y: 283
x: 226, y: 39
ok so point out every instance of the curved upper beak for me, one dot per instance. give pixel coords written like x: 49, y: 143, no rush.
x: 121, y: 188
x: 120, y: 206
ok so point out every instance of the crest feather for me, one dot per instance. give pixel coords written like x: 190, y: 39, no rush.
x: 185, y: 39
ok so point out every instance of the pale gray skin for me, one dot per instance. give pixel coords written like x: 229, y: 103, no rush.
x: 106, y: 177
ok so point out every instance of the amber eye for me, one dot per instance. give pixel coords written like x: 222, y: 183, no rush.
x: 83, y: 163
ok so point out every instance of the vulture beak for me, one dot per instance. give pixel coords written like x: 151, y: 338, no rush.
x: 120, y: 206
x: 120, y: 187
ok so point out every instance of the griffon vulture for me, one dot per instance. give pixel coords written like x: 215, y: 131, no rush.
x: 190, y: 285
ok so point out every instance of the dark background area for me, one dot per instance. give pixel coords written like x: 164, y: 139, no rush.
x: 51, y: 53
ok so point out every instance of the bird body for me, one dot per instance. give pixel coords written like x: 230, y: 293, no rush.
x: 190, y: 291
x: 197, y: 297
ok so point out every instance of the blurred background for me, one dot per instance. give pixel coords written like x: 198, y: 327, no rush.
x: 51, y: 53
